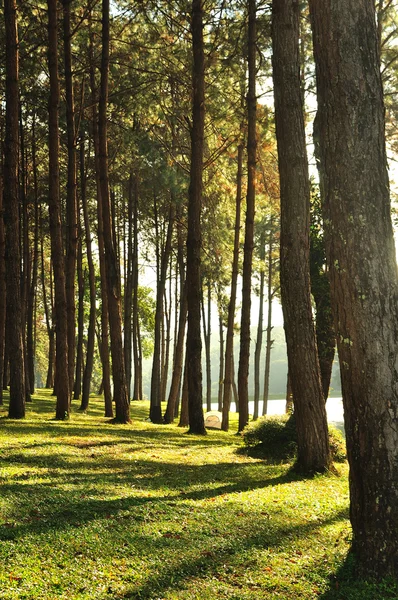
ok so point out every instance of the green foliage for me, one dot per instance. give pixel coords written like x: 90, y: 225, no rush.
x: 275, y: 437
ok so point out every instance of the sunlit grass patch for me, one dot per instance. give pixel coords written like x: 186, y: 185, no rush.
x: 93, y: 510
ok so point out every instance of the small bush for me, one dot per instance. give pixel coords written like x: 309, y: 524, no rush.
x: 275, y: 437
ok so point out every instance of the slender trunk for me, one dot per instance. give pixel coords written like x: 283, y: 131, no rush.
x: 244, y: 355
x: 229, y: 342
x: 206, y: 337
x: 167, y: 341
x: 128, y: 288
x: 269, y: 341
x: 184, y: 415
x: 31, y: 321
x: 25, y: 251
x: 80, y: 323
x: 137, y: 387
x: 104, y: 340
x: 259, y: 343
x: 155, y: 410
x: 71, y: 198
x: 194, y: 235
x: 179, y: 350
x: 221, y: 369
x: 304, y: 372
x: 3, y: 298
x: 363, y: 270
x: 88, y: 369
x: 121, y: 396
x: 11, y: 219
x: 57, y: 254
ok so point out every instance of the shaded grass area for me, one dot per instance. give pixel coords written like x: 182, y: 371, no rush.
x: 94, y: 510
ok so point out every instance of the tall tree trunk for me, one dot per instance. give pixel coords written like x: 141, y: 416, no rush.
x: 25, y: 250
x: 244, y: 354
x: 71, y: 198
x: 167, y: 342
x: 310, y: 412
x: 11, y: 219
x: 363, y: 270
x: 221, y: 367
x: 121, y: 396
x: 128, y: 288
x: 179, y: 350
x: 104, y: 340
x: 77, y: 389
x: 229, y: 342
x: 88, y: 368
x: 155, y: 413
x: 57, y: 254
x: 31, y: 309
x: 3, y: 297
x: 184, y: 415
x: 206, y: 320
x: 320, y: 280
x: 259, y: 344
x: 270, y: 297
x: 137, y: 385
x: 194, y: 236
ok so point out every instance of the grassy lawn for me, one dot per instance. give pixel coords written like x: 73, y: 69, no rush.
x: 94, y: 510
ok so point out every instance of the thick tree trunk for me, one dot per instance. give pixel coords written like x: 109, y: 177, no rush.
x: 71, y: 198
x: 120, y: 393
x: 229, y: 341
x: 310, y: 412
x: 194, y: 237
x: 88, y: 369
x: 11, y: 219
x: 363, y: 270
x: 244, y: 354
x: 57, y: 254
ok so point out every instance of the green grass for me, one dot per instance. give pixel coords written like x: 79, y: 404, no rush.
x: 91, y: 510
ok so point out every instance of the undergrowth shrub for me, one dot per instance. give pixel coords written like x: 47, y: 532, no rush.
x: 275, y: 437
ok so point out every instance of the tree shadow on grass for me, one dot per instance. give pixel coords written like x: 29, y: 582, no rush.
x: 192, y: 483
x: 212, y: 561
x: 348, y: 584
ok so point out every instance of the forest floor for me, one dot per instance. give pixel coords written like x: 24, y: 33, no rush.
x: 92, y: 510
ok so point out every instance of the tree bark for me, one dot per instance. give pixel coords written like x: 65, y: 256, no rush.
x: 128, y: 288
x: 3, y: 297
x: 310, y: 412
x: 179, y: 350
x: 363, y: 270
x: 244, y: 354
x: 77, y: 388
x: 259, y: 344
x: 88, y: 368
x: 229, y: 341
x: 57, y: 253
x: 71, y: 198
x: 270, y: 295
x: 206, y: 319
x: 155, y: 413
x: 11, y: 218
x: 120, y: 393
x: 104, y: 339
x: 194, y: 236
